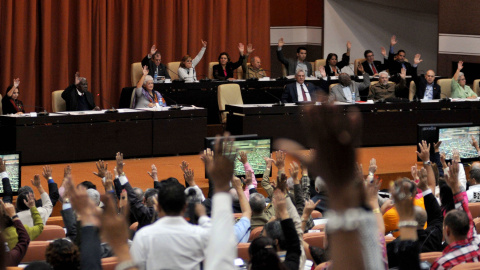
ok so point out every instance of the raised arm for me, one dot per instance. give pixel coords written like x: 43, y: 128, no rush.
x: 15, y: 256
x: 145, y: 73
x: 16, y: 83
x: 266, y: 177
x: 280, y: 55
x: 459, y: 68
x: 38, y: 226
x: 199, y: 56
x: 47, y: 206
x: 244, y: 204
x: 424, y: 155
x: 7, y: 188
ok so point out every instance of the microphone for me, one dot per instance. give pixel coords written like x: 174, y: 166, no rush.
x: 175, y: 107
x: 112, y: 110
x: 279, y: 103
x: 176, y: 80
x: 44, y: 113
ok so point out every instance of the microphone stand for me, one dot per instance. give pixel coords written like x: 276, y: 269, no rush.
x: 279, y: 103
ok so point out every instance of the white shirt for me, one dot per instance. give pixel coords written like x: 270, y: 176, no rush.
x: 299, y: 92
x: 44, y: 211
x: 473, y: 193
x: 347, y: 93
x: 171, y: 243
x: 189, y: 74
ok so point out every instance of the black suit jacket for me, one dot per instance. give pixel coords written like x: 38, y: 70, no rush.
x: 378, y: 65
x: 230, y: 67
x: 162, y: 69
x: 290, y: 93
x: 70, y: 96
x: 421, y: 84
x: 345, y: 62
x: 395, y: 67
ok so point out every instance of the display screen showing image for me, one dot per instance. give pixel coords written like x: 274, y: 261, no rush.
x: 256, y: 150
x: 12, y: 164
x: 458, y: 138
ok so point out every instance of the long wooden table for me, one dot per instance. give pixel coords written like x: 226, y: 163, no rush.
x: 82, y: 136
x: 383, y: 124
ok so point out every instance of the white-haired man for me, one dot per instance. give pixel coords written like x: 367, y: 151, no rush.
x: 384, y: 90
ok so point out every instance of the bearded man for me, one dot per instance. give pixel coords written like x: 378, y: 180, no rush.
x: 385, y: 89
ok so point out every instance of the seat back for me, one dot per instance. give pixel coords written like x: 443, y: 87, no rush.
x: 173, y: 69
x: 51, y: 232
x: 109, y: 263
x: 56, y: 220
x: 430, y: 256
x: 240, y: 74
x: 446, y: 86
x: 255, y: 233
x: 315, y: 239
x: 242, y: 250
x: 136, y: 72
x: 475, y: 87
x: 58, y: 103
x: 355, y: 64
x: 320, y: 62
x: 36, y: 251
x: 228, y: 94
x: 413, y: 89
x: 474, y: 209
x: 210, y: 69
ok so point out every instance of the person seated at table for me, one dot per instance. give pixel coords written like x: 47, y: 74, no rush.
x: 459, y: 87
x: 301, y: 91
x: 371, y: 66
x: 254, y: 70
x: 333, y: 67
x: 383, y: 89
x: 427, y: 88
x: 348, y: 90
x: 397, y: 61
x: 145, y: 96
x: 186, y: 71
x: 292, y: 65
x: 77, y: 97
x: 153, y: 61
x: 224, y: 70
x: 10, y: 102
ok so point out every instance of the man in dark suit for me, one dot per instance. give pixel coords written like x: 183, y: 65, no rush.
x: 301, y: 91
x: 292, y: 65
x: 153, y: 61
x: 397, y: 61
x: 427, y: 88
x: 371, y: 66
x: 77, y: 97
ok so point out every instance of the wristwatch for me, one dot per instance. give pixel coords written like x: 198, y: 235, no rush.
x: 429, y: 163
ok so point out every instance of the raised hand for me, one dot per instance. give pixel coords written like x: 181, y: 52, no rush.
x: 269, y: 162
x: 309, y: 207
x: 281, y: 42
x: 360, y: 68
x: 402, y: 195
x: 424, y: 154
x: 279, y: 160
x: 67, y: 172
x: 204, y: 43
x: 120, y: 164
x: 153, y: 50
x: 443, y: 159
x: 436, y: 146
x: 248, y: 179
x: 3, y: 168
x: 456, y: 155
x: 250, y: 48
x: 243, y: 157
x: 30, y: 200
x: 372, y: 168
x: 16, y: 82
x: 460, y: 65
x: 282, y: 182
x: 414, y: 172
x: 422, y: 182
x: 102, y: 168
x: 393, y: 40
x: 403, y: 73
x: 47, y: 172
x: 207, y: 155
x: 474, y: 143
x: 241, y: 48
x: 293, y: 171
x: 220, y: 167
x: 154, y: 174
x: 417, y: 60
x: 36, y: 181
x: 108, y: 183
x: 9, y: 209
x: 184, y: 166
x: 349, y: 45
x: 189, y: 177
x: 77, y: 78
x: 384, y: 52
x: 145, y: 70
x: 322, y: 71
x: 372, y: 188
x: 452, y: 177
x: 280, y: 204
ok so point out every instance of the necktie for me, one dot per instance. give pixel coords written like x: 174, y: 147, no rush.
x: 303, y: 93
x: 374, y: 69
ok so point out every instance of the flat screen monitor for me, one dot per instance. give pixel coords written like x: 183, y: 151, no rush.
x: 13, y: 166
x: 453, y: 136
x: 256, y: 148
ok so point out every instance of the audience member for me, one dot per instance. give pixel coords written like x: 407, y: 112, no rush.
x: 10, y: 220
x: 333, y: 67
x: 153, y: 61
x: 145, y: 96
x: 225, y: 68
x: 77, y: 97
x: 460, y: 89
x: 24, y: 210
x: 473, y: 193
x: 348, y: 90
x: 10, y: 101
x: 293, y: 65
x: 186, y: 71
x: 371, y: 66
x: 386, y: 90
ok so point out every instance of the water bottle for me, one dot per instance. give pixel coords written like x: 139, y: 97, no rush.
x: 353, y: 97
x: 155, y: 76
x: 161, y: 102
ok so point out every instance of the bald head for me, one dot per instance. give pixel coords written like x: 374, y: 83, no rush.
x: 255, y: 62
x: 430, y: 76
